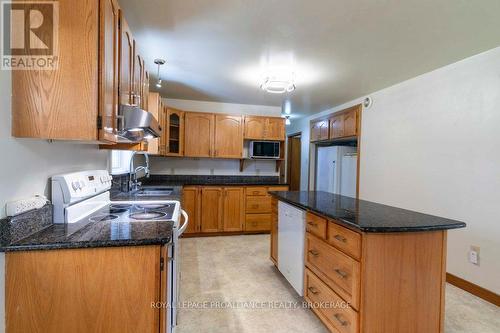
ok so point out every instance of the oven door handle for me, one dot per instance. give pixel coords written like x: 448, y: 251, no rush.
x: 185, y: 224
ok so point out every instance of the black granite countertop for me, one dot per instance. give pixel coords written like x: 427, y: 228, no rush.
x: 364, y: 215
x: 186, y: 180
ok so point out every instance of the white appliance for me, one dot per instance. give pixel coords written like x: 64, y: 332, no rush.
x: 336, y: 170
x: 81, y: 198
x: 291, y: 238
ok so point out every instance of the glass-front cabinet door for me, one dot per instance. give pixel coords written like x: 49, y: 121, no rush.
x: 175, y: 132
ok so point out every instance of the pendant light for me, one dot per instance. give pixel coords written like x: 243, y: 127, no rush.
x: 159, y: 62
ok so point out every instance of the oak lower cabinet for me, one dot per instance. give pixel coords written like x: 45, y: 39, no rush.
x: 86, y: 290
x: 228, y: 209
x: 367, y: 276
x: 199, y: 131
x: 274, y: 231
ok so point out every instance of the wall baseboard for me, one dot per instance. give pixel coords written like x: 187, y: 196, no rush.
x: 474, y: 289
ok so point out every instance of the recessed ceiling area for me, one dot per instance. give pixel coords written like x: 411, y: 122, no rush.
x: 338, y: 49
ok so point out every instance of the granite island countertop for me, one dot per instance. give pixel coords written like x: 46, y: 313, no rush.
x: 364, y: 215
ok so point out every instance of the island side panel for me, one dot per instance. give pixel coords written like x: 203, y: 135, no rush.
x: 83, y: 290
x: 403, y: 280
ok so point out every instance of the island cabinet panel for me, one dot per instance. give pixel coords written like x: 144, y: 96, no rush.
x: 403, y: 282
x: 199, y: 134
x: 228, y: 136
x: 83, y: 290
x: 234, y: 203
x: 274, y: 230
x: 211, y: 209
x: 191, y: 200
x: 63, y: 103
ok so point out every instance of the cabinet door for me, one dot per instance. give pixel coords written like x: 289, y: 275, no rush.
x: 126, y: 62
x: 154, y: 144
x: 255, y: 128
x: 275, y: 129
x: 274, y: 230
x: 336, y: 127
x: 234, y: 209
x: 198, y: 134
x: 175, y: 132
x: 190, y: 203
x: 211, y: 209
x: 108, y: 57
x: 350, y: 123
x: 228, y: 136
x: 136, y: 78
x: 319, y: 130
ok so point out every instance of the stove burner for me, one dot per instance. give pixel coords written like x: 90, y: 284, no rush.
x: 153, y: 206
x: 102, y: 218
x: 117, y: 210
x: 147, y: 215
x: 120, y: 206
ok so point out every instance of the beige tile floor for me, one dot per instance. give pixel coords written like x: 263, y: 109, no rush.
x: 237, y: 269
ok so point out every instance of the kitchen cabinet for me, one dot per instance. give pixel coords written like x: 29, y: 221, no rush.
x: 126, y: 62
x: 156, y: 109
x: 264, y: 128
x: 137, y: 78
x: 234, y: 198
x: 337, y: 127
x: 350, y: 123
x: 199, y: 134
x: 258, y: 210
x: 162, y: 120
x: 345, y: 123
x: 174, y: 132
x: 274, y: 231
x: 191, y: 200
x: 211, y: 209
x: 85, y: 290
x: 228, y: 136
x: 320, y: 130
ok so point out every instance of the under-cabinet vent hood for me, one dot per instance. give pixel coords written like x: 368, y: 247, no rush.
x: 136, y: 125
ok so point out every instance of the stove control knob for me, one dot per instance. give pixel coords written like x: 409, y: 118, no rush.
x: 74, y: 185
x: 82, y: 184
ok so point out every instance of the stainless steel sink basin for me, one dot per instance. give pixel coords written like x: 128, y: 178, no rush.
x: 154, y: 191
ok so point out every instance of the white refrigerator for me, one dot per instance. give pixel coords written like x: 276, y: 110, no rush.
x: 336, y: 170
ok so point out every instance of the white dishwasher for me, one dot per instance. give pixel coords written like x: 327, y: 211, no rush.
x: 291, y: 234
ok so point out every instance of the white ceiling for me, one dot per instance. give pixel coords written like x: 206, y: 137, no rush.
x: 216, y: 50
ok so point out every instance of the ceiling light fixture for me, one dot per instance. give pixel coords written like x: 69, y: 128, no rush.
x: 278, y: 83
x: 287, y: 121
x: 159, y: 62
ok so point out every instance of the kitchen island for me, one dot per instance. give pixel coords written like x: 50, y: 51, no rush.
x: 383, y: 268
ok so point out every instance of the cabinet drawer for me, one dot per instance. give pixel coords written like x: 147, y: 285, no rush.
x: 258, y: 222
x: 339, y: 271
x: 277, y: 188
x: 256, y: 191
x: 338, y: 313
x: 344, y: 239
x: 258, y: 204
x: 316, y: 225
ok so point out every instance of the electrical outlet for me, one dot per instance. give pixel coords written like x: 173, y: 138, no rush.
x: 474, y: 255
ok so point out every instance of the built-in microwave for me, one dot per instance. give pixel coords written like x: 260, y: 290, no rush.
x: 264, y: 149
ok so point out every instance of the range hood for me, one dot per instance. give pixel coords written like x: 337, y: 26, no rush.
x: 136, y: 125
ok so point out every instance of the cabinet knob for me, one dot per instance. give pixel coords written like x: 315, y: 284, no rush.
x: 313, y: 290
x: 340, y: 238
x: 314, y: 253
x: 341, y: 273
x: 340, y: 320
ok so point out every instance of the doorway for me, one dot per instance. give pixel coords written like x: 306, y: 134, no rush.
x: 293, y: 161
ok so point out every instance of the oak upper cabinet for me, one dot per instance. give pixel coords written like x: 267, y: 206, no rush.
x: 234, y: 209
x: 275, y: 129
x: 126, y: 62
x: 174, y: 132
x: 336, y: 127
x: 198, y: 134
x: 191, y: 200
x: 264, y: 128
x: 228, y: 136
x: 211, y: 209
x: 320, y: 130
x: 64, y: 103
x: 146, y: 91
x: 350, y: 123
x: 254, y: 127
x: 156, y: 110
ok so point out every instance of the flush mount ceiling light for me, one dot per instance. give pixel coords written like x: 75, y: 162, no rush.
x: 278, y: 83
x: 159, y: 62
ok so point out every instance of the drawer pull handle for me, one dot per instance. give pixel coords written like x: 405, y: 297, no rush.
x: 340, y: 320
x: 340, y: 238
x: 341, y: 273
x: 312, y: 224
x: 314, y: 253
x: 313, y: 290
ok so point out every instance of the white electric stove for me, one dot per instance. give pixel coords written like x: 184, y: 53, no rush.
x: 83, y: 197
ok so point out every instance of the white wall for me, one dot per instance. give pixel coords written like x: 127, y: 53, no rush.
x: 28, y: 164
x: 432, y: 144
x: 203, y: 166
